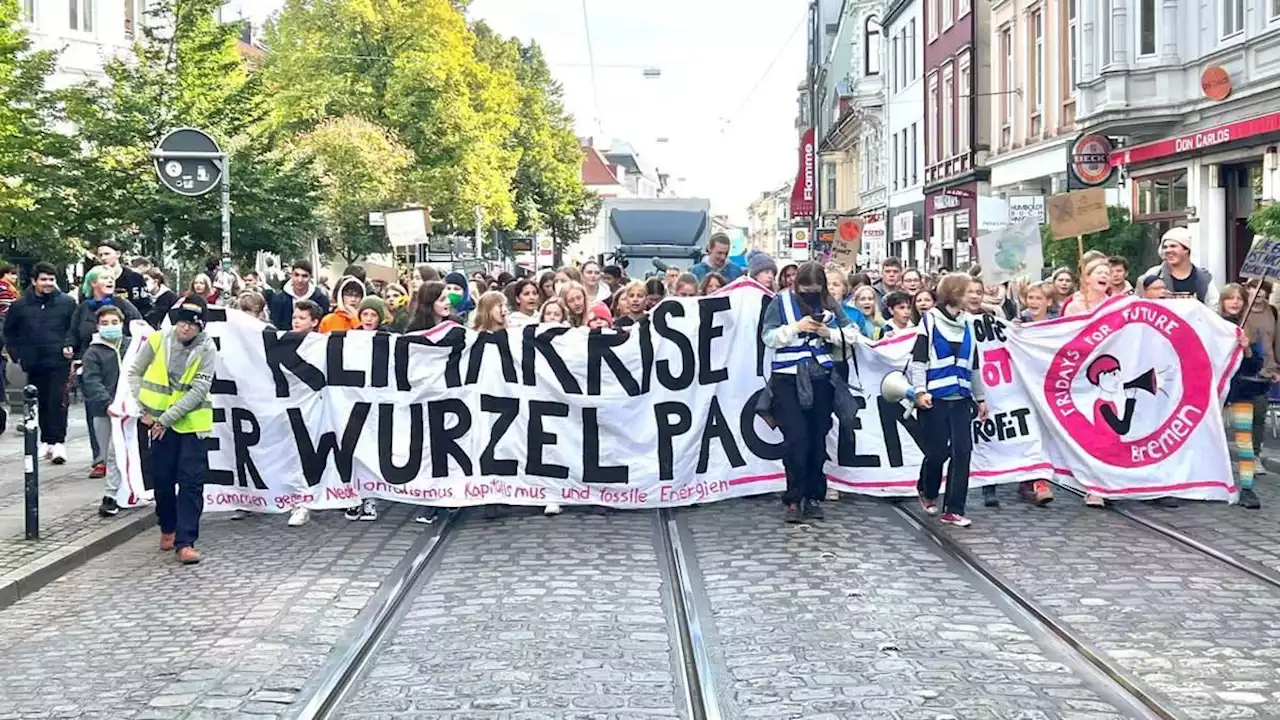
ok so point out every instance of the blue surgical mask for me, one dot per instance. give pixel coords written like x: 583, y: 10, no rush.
x: 111, y: 332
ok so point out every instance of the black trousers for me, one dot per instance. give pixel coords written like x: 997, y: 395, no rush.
x: 804, y: 437
x: 179, y: 463
x: 947, y: 431
x: 50, y: 382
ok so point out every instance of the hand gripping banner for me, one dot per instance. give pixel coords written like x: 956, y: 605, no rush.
x: 663, y: 415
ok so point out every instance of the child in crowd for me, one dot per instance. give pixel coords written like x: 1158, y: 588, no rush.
x: 599, y: 318
x: 458, y: 290
x: 687, y: 285
x: 306, y: 316
x: 431, y: 307
x: 711, y: 283
x: 1245, y: 386
x: 573, y: 296
x: 491, y: 312
x: 553, y: 313
x: 1153, y: 288
x: 923, y: 302
x: 252, y: 303
x: 630, y: 307
x: 373, y: 313
x: 898, y: 304
x: 346, y: 303
x: 866, y: 302
x: 1038, y: 298
x: 99, y: 377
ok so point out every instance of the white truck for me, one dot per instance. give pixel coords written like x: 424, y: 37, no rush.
x: 672, y: 231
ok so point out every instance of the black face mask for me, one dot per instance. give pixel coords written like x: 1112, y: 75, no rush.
x: 812, y: 300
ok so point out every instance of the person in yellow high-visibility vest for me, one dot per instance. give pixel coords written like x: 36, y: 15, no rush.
x: 170, y: 379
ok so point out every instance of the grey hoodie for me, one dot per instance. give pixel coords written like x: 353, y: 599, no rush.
x: 178, y: 356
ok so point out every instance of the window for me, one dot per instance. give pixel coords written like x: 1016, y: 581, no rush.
x: 934, y: 10
x: 29, y: 10
x: 948, y: 112
x: 1037, y: 61
x: 947, y: 9
x: 895, y: 160
x: 964, y: 8
x: 1108, y: 54
x: 134, y: 12
x: 1275, y: 9
x: 1233, y: 16
x: 81, y: 15
x: 913, y: 72
x: 906, y: 154
x: 964, y: 92
x: 915, y: 159
x: 829, y: 191
x: 1147, y: 10
x: 932, y: 148
x: 1007, y: 85
x: 871, y: 49
x: 895, y: 64
x: 1073, y: 49
x: 1160, y: 196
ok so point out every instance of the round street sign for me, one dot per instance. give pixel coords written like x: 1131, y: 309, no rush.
x: 1091, y: 159
x: 184, y: 174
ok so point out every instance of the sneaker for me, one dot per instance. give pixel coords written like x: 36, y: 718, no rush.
x: 167, y: 540
x: 426, y: 516
x: 368, y: 510
x: 240, y: 514
x: 1041, y: 493
x: 989, y: 497
x: 1249, y: 499
x: 353, y: 513
x: 188, y: 556
x: 98, y: 472
x: 552, y: 510
x: 833, y: 494
x: 793, y: 515
x: 956, y: 519
x: 109, y: 507
x: 299, y: 517
x: 813, y: 510
x: 929, y: 506
x: 1094, y: 500
x: 58, y: 453
x: 46, y: 451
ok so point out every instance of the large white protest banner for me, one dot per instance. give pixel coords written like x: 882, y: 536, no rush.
x: 664, y: 415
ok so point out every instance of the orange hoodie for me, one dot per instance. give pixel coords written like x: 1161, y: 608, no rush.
x: 340, y: 319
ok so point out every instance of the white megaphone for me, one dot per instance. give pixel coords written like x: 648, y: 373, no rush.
x: 896, y: 388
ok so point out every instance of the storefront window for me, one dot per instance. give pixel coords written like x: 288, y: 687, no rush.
x: 1160, y: 196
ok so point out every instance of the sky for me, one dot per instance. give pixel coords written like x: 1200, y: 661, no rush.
x: 721, y: 118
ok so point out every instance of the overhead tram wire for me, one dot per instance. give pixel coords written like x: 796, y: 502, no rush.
x: 764, y: 76
x: 591, y: 60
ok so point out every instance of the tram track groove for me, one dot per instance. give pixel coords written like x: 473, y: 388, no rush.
x: 701, y: 697
x: 1130, y: 693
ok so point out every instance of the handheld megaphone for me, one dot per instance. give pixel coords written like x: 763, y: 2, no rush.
x: 896, y: 388
x: 1145, y: 381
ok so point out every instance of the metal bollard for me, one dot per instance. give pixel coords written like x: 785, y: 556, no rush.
x: 31, y: 461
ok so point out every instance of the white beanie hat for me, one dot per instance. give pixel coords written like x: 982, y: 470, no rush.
x: 1180, y: 235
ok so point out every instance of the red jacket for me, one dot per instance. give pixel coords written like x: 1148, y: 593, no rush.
x: 8, y: 294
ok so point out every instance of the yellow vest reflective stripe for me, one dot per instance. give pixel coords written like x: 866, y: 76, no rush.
x: 157, y: 395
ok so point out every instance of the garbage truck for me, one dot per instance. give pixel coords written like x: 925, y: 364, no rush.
x: 653, y: 233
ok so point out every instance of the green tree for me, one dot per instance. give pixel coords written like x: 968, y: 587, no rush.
x: 410, y: 66
x: 186, y: 70
x: 1265, y: 221
x: 31, y: 152
x: 363, y: 168
x: 1124, y: 238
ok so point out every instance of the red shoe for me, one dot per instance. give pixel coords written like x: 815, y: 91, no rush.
x: 98, y: 472
x: 188, y: 556
x: 1041, y: 492
x: 930, y: 506
x: 956, y: 519
x: 167, y: 541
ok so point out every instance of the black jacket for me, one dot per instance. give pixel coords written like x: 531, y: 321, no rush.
x: 160, y: 308
x: 133, y: 287
x: 84, y: 323
x: 100, y: 375
x: 280, y: 304
x: 35, y: 329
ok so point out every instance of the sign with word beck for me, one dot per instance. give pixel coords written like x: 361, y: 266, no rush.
x: 1124, y: 402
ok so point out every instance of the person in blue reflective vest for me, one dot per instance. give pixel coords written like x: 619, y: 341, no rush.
x: 806, y: 328
x: 946, y: 372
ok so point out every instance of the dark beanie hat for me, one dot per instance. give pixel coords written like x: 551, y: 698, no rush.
x: 760, y: 262
x: 191, y: 309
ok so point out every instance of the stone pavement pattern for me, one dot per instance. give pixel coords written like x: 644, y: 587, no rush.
x: 134, y: 635
x: 533, y: 618
x: 856, y: 617
x: 1190, y: 628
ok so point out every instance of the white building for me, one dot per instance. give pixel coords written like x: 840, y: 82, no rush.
x: 85, y: 33
x: 904, y: 118
x: 1192, y: 91
x: 769, y: 222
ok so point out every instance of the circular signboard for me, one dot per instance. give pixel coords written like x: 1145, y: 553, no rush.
x: 1091, y: 159
x: 190, y: 176
x: 1216, y: 83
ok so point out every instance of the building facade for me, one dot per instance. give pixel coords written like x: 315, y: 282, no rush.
x: 84, y: 33
x: 1192, y: 94
x: 769, y: 222
x: 957, y: 139
x: 904, y: 121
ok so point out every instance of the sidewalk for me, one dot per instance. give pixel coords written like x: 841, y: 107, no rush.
x: 70, y: 530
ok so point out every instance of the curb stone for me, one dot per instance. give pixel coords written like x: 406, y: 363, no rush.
x: 26, y: 580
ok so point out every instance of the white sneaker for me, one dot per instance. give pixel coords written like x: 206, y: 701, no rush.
x: 59, y: 452
x: 368, y: 510
x: 46, y: 451
x: 833, y: 494
x: 552, y: 510
x: 299, y: 517
x: 240, y: 514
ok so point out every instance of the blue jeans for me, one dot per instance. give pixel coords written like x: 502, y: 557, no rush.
x: 93, y: 437
x: 179, y: 462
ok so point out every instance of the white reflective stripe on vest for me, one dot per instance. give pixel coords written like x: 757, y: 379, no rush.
x: 802, y: 348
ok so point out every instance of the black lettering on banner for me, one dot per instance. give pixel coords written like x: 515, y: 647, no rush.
x: 454, y: 339
x: 444, y: 441
x: 592, y: 471
x: 315, y: 456
x: 646, y: 355
x: 245, y: 433
x: 757, y: 445
x: 674, y: 419
x: 220, y: 386
x: 760, y: 346
x: 718, y: 427
x: 600, y: 350
x: 540, y: 344
x: 387, y: 432
x: 707, y: 331
x: 211, y: 445
x: 340, y: 376
x: 891, y: 416
x: 507, y: 410
x: 847, y: 445
x: 379, y: 369
x: 215, y: 314
x: 540, y: 438
x: 661, y: 325
x: 1002, y: 426
x: 499, y: 340
x: 282, y: 353
x: 986, y: 327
